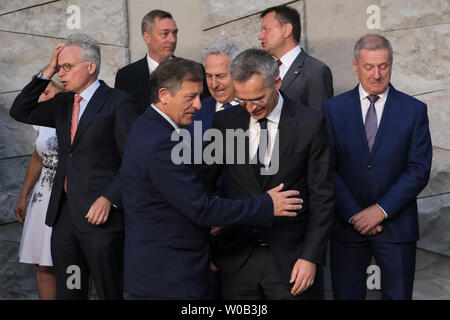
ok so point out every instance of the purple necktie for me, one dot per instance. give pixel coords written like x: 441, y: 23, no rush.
x: 371, y: 121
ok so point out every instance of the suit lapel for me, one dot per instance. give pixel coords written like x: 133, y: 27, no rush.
x: 96, y: 102
x: 294, y: 71
x: 286, y: 128
x: 356, y: 120
x: 386, y: 118
x: 246, y: 171
x: 145, y: 75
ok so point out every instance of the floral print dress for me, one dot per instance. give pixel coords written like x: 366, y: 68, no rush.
x: 35, y: 243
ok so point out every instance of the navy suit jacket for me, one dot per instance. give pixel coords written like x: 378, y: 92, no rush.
x: 91, y: 163
x: 168, y: 216
x: 392, y: 175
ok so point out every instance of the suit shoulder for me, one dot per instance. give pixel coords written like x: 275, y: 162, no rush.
x: 316, y: 63
x: 300, y: 111
x: 410, y: 100
x: 131, y: 68
x: 340, y: 99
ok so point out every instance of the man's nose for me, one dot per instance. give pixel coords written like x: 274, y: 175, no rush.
x: 172, y: 38
x: 261, y: 36
x: 376, y: 73
x: 197, y: 103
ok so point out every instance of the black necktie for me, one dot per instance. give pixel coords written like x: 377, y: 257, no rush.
x: 371, y: 123
x: 262, y: 150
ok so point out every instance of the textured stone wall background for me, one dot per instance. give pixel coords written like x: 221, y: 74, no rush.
x: 418, y: 29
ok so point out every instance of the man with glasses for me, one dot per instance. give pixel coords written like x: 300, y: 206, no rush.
x: 92, y: 122
x: 287, y: 143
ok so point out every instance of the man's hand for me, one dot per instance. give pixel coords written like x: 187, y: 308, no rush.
x: 374, y: 231
x: 53, y: 66
x: 20, y: 209
x: 302, y: 276
x: 99, y: 211
x: 368, y: 219
x: 283, y: 202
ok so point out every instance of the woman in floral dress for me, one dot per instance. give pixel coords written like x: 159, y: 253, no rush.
x: 35, y: 243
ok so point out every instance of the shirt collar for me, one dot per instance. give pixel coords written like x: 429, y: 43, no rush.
x: 290, y: 56
x: 363, y: 93
x: 275, y: 115
x: 152, y: 64
x: 89, y: 91
x: 165, y: 116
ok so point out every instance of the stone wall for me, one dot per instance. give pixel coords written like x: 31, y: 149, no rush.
x: 420, y: 33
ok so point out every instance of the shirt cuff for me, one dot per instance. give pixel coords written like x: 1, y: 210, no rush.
x: 385, y: 214
x: 41, y: 76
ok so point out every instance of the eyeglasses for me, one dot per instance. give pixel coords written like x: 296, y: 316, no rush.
x: 243, y: 103
x: 67, y: 66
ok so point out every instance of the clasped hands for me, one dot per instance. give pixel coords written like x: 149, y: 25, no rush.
x: 367, y: 222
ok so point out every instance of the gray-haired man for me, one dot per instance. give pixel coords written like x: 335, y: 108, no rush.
x: 92, y: 122
x: 276, y: 262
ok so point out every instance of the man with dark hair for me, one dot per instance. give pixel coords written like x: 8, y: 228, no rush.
x: 160, y: 33
x: 305, y: 79
x: 85, y: 208
x: 381, y: 144
x: 278, y: 261
x: 168, y: 213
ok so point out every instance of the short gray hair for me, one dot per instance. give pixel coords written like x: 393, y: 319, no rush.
x: 254, y: 61
x: 149, y: 19
x: 90, y: 49
x: 226, y: 48
x: 372, y: 42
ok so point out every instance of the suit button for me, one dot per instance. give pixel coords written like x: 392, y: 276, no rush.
x: 369, y: 166
x: 70, y: 155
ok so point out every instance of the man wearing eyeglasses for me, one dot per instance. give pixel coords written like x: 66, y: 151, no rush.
x: 92, y: 122
x: 277, y: 262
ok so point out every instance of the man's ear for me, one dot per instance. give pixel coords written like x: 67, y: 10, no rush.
x: 163, y: 95
x: 146, y: 36
x: 92, y: 67
x: 355, y: 66
x: 287, y: 30
x: 277, y: 83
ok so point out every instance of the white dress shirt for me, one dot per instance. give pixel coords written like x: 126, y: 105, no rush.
x: 87, y: 95
x: 219, y: 106
x: 165, y: 116
x: 272, y: 128
x: 288, y: 59
x: 152, y: 64
x: 379, y: 104
x: 379, y: 108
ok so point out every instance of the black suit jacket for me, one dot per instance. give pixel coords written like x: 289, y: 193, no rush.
x: 308, y: 81
x: 92, y: 162
x: 304, y: 165
x: 135, y: 79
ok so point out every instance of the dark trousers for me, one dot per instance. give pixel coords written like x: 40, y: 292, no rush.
x: 257, y: 279
x: 349, y: 262
x: 78, y: 255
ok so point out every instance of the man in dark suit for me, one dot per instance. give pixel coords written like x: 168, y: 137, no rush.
x: 85, y: 203
x: 160, y: 33
x: 287, y: 143
x: 306, y: 80
x: 168, y: 213
x: 382, y: 158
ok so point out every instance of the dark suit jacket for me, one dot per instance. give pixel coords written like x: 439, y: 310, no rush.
x: 168, y: 216
x: 304, y: 165
x: 135, y: 79
x: 92, y: 162
x: 308, y: 81
x: 391, y: 176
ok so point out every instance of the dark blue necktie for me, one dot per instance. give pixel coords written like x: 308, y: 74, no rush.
x: 226, y: 106
x: 371, y: 123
